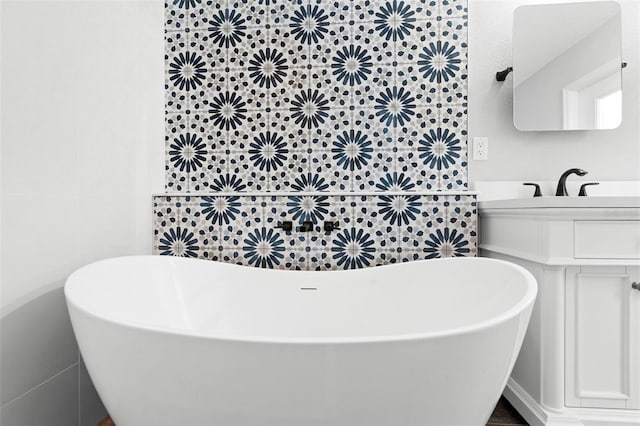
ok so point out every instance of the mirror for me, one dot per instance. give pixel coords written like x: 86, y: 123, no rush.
x: 567, y: 66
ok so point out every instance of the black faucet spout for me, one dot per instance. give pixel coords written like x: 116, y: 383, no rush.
x: 561, y: 190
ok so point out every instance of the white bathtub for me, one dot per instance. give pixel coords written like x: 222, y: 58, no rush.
x: 180, y: 342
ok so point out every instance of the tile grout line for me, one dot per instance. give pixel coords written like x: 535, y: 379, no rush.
x: 458, y: 16
x: 79, y: 391
x: 75, y: 364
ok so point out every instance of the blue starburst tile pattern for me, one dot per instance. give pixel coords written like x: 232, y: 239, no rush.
x: 272, y: 96
x: 319, y: 71
x: 370, y: 230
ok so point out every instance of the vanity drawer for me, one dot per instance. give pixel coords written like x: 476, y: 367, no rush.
x: 606, y: 239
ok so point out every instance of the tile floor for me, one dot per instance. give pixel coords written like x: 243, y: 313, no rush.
x: 503, y: 415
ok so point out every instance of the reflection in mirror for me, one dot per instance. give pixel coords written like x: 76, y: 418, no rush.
x: 567, y: 66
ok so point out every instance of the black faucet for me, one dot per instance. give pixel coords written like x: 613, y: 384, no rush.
x: 561, y: 190
x: 307, y: 226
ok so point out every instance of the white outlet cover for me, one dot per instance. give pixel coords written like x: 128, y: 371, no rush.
x: 480, y: 148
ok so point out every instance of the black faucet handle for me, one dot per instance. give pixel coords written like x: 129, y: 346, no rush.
x: 329, y: 226
x: 286, y: 226
x: 538, y: 191
x: 583, y: 188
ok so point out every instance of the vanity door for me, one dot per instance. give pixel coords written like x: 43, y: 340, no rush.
x: 602, y: 337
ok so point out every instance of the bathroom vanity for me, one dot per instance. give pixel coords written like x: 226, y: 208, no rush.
x: 580, y: 361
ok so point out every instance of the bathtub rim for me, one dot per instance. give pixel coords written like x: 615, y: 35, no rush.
x: 526, y: 301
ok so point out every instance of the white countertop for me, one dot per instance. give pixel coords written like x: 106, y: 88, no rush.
x: 553, y: 202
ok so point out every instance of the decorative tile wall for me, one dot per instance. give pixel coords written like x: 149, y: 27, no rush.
x: 259, y: 93
x: 270, y: 100
x: 374, y: 230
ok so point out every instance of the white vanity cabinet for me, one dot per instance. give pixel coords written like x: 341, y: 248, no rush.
x: 580, y: 361
x: 602, y: 337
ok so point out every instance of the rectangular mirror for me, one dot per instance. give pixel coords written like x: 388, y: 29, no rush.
x: 567, y: 66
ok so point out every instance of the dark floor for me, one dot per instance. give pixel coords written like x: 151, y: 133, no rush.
x: 505, y: 415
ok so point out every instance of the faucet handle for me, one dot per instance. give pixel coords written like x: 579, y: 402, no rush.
x: 583, y: 188
x: 538, y: 191
x: 286, y: 226
x: 330, y: 226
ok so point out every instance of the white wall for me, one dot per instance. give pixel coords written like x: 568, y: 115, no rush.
x: 607, y: 155
x: 82, y: 151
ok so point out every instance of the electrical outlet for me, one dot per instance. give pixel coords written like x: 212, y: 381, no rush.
x: 480, y: 148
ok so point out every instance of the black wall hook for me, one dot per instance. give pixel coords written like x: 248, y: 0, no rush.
x: 502, y: 75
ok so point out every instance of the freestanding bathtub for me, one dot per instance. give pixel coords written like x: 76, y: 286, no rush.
x: 180, y: 342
